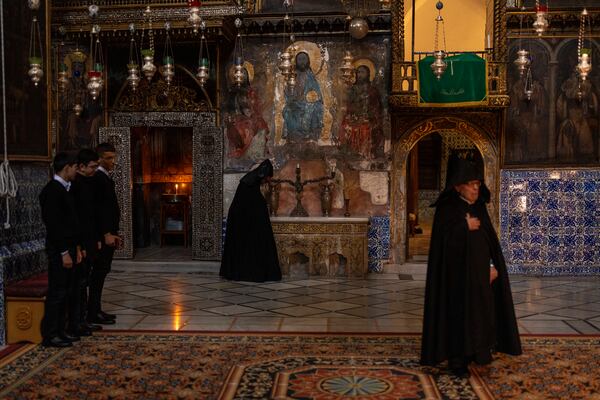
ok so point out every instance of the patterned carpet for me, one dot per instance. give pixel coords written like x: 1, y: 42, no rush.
x: 294, y: 366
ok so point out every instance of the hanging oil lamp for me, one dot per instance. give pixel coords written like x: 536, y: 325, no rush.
x: 36, y: 69
x: 347, y: 69
x: 438, y: 67
x: 528, y: 85
x: 238, y: 51
x: 148, y: 67
x: 195, y: 20
x: 523, y: 61
x: 584, y: 55
x: 541, y: 22
x: 133, y: 67
x: 62, y: 80
x: 95, y: 81
x: 203, y: 58
x: 168, y: 68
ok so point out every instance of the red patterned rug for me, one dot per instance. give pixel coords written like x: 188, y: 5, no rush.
x: 134, y: 365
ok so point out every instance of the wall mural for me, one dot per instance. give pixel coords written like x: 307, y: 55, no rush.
x: 320, y: 117
x: 78, y: 127
x: 559, y: 123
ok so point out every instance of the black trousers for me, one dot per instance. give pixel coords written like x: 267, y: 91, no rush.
x: 83, y: 278
x: 100, y: 268
x: 62, y: 299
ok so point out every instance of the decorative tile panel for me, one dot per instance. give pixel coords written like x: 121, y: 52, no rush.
x: 379, y: 242
x: 22, y: 245
x: 550, y: 221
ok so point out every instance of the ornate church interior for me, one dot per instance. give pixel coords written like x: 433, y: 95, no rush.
x: 364, y: 109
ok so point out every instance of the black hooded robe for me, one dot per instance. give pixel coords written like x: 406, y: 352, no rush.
x: 465, y: 317
x: 250, y: 252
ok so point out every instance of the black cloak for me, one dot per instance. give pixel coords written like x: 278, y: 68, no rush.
x: 465, y: 317
x: 250, y: 252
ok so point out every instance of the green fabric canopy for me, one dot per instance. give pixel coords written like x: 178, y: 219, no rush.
x: 464, y: 83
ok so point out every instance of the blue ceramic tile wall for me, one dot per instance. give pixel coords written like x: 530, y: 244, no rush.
x: 22, y: 245
x: 550, y: 221
x: 379, y: 242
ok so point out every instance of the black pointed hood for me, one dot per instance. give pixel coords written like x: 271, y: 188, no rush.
x: 463, y: 168
x: 255, y: 176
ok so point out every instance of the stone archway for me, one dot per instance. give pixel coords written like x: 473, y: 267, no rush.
x: 398, y: 184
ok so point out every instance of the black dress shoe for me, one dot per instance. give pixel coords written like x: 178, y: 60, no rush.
x: 70, y: 338
x: 90, y: 327
x: 99, y: 319
x: 56, y: 342
x: 107, y: 315
x: 80, y: 332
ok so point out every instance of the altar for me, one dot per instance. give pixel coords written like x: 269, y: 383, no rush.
x: 322, y: 246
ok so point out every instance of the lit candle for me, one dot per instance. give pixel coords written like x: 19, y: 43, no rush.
x: 176, y: 187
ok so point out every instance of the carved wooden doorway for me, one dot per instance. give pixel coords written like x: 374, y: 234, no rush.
x: 207, y: 182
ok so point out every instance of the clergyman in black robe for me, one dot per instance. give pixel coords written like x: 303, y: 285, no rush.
x: 250, y: 252
x: 469, y: 310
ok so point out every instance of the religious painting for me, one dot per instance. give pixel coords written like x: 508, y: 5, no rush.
x: 553, y: 118
x: 246, y: 130
x: 28, y: 116
x: 80, y: 115
x: 362, y: 125
x: 321, y: 114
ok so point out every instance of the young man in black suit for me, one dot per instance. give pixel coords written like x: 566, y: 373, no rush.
x: 62, y: 231
x: 108, y: 217
x: 83, y: 189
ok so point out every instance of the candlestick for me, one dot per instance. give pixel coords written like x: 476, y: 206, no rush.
x: 176, y: 187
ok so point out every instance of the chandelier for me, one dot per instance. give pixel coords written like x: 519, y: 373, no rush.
x: 584, y: 54
x: 203, y: 58
x: 36, y: 69
x: 541, y: 22
x: 438, y: 67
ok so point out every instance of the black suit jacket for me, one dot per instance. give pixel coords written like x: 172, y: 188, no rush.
x: 107, y: 205
x: 84, y: 192
x: 60, y: 217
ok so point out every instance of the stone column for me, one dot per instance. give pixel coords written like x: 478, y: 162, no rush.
x: 553, y: 72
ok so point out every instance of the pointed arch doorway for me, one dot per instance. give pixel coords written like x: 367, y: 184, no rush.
x: 399, y: 223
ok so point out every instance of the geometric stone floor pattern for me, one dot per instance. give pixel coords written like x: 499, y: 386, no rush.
x: 388, y: 302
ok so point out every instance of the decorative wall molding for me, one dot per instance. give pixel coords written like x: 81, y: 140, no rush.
x: 484, y: 142
x: 207, y: 164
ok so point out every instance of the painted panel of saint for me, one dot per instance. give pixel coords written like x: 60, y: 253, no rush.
x: 80, y: 115
x: 553, y: 118
x: 246, y: 130
x: 527, y: 139
x: 303, y: 110
x: 362, y: 125
x: 577, y: 111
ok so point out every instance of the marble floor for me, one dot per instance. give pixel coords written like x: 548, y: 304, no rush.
x: 389, y: 302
